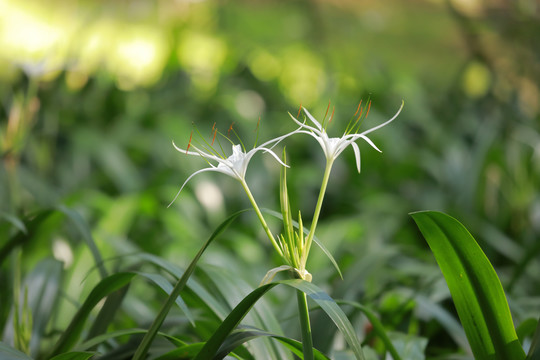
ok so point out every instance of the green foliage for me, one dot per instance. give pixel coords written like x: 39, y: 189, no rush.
x: 92, y: 94
x: 476, y: 290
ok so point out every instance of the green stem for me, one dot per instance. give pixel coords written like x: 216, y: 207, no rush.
x: 307, y: 342
x: 318, y: 207
x: 261, y: 218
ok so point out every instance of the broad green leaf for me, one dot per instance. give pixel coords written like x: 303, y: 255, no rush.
x: 75, y: 355
x: 335, y: 313
x: 476, y: 290
x: 9, y: 353
x: 141, y: 351
x: 75, y: 328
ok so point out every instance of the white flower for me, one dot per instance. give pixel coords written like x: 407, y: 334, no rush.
x: 334, y: 146
x: 236, y: 164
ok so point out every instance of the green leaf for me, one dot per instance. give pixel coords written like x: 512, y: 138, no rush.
x: 335, y: 313
x: 84, y: 230
x: 476, y: 290
x: 75, y: 355
x: 75, y: 328
x: 244, y: 334
x: 9, y: 353
x: 166, y: 286
x: 141, y: 351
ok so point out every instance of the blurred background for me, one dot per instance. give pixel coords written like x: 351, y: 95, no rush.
x: 93, y: 92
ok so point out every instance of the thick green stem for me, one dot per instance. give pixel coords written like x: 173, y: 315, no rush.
x: 261, y: 218
x: 307, y: 342
x: 318, y: 207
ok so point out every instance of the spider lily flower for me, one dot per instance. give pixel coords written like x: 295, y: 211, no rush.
x: 234, y: 165
x: 334, y: 146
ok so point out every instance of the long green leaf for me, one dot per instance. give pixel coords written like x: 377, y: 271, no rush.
x: 335, y: 313
x: 75, y: 328
x: 242, y: 335
x: 476, y: 290
x: 84, y: 230
x: 141, y: 351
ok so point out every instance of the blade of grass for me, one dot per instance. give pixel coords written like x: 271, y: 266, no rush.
x: 103, y: 288
x: 335, y: 313
x: 168, y: 288
x: 476, y: 290
x: 142, y: 350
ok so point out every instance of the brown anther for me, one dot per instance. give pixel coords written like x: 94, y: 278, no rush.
x: 327, y: 108
x: 214, y: 137
x: 358, y: 108
x: 189, y: 143
x: 369, y: 107
x: 299, y: 110
x: 332, y: 116
x: 258, y: 123
x: 230, y: 128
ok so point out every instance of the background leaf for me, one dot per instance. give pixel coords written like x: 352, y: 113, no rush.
x: 475, y: 287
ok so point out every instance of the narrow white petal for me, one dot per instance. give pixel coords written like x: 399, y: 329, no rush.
x: 357, y: 155
x: 189, y: 178
x: 312, y: 119
x: 385, y: 123
x: 273, y: 154
x: 198, y: 152
x: 304, y: 125
x: 368, y: 140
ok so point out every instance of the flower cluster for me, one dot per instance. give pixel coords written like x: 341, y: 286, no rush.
x: 293, y: 246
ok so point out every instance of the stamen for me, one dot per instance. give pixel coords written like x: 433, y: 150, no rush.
x: 358, y: 108
x: 299, y: 110
x: 258, y: 123
x: 214, y: 137
x: 332, y: 116
x: 189, y: 143
x: 369, y: 107
x: 326, y: 113
x: 230, y: 128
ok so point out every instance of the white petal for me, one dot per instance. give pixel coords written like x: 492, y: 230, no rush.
x: 189, y: 178
x: 357, y: 155
x: 312, y: 119
x: 305, y: 126
x: 368, y: 140
x: 386, y: 122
